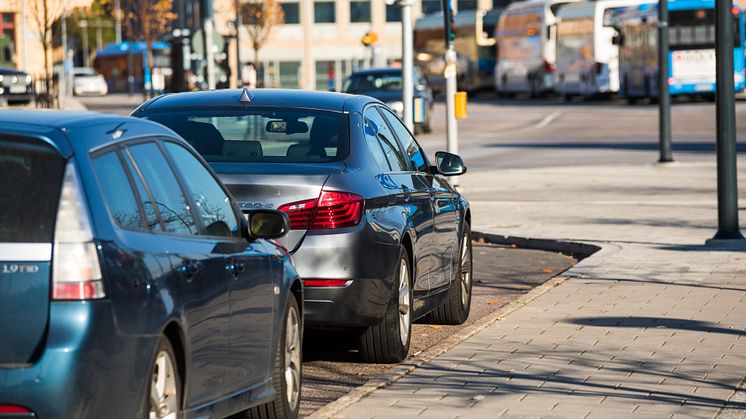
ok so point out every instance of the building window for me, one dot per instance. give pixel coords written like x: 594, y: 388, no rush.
x: 430, y: 6
x: 393, y: 13
x: 7, y: 25
x: 467, y: 4
x: 360, y: 11
x: 291, y: 12
x: 323, y: 12
x: 289, y: 72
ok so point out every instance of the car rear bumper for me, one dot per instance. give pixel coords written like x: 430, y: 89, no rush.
x: 354, y: 255
x: 86, y: 368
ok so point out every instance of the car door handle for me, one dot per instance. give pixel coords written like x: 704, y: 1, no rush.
x: 191, y: 268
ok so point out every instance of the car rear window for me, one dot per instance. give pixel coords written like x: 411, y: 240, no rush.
x: 262, y: 135
x: 29, y: 190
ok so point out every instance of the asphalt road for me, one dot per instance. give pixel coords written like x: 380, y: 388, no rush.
x: 332, y: 366
x: 515, y: 133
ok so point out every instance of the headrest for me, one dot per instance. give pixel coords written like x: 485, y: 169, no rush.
x: 324, y: 131
x: 243, y: 148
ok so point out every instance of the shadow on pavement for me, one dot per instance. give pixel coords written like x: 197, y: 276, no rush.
x: 687, y: 147
x: 655, y: 322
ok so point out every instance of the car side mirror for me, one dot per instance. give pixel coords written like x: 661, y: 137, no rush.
x: 618, y: 40
x: 267, y: 224
x: 449, y: 164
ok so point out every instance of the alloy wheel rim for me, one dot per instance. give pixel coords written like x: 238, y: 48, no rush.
x: 163, y: 396
x: 465, y: 270
x: 292, y: 359
x: 404, y: 303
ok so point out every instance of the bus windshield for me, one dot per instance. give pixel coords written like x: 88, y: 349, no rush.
x: 695, y: 29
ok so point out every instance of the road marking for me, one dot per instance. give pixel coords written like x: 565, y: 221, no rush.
x: 546, y: 121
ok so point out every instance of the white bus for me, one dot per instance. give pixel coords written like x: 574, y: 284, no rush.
x: 526, y: 47
x: 587, y: 60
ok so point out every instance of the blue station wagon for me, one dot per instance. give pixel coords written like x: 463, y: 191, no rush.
x: 131, y: 285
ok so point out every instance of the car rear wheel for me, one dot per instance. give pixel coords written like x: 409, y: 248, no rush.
x: 288, y: 369
x: 455, y: 310
x: 164, y: 392
x: 388, y: 340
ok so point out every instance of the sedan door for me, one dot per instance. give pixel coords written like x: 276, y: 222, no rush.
x: 443, y: 200
x: 409, y: 192
x: 199, y: 280
x: 249, y: 267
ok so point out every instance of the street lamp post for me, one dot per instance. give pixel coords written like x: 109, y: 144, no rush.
x: 84, y: 26
x: 450, y: 76
x: 664, y: 96
x: 208, y: 26
x: 728, y: 231
x: 407, y: 63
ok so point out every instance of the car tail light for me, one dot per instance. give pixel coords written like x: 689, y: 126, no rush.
x: 13, y: 409
x: 76, y: 270
x: 331, y: 210
x: 300, y: 213
x: 326, y: 283
x: 548, y: 67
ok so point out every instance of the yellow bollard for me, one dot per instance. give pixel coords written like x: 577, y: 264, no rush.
x: 460, y: 105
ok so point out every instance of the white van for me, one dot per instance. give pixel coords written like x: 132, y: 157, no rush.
x: 526, y: 47
x: 587, y: 61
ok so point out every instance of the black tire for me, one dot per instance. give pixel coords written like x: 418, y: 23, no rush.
x: 282, y: 407
x: 164, y: 348
x: 455, y: 309
x: 383, y: 342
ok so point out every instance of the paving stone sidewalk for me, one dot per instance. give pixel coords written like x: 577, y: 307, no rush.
x: 653, y: 325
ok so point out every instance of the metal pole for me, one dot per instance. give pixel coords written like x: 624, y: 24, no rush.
x: 63, y: 73
x: 208, y: 25
x: 239, y: 64
x: 99, y: 35
x: 24, y: 36
x: 450, y: 77
x: 117, y: 22
x: 407, y: 64
x: 664, y: 95
x: 84, y: 25
x: 726, y: 125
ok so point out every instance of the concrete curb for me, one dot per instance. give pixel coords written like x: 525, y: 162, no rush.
x: 577, y: 250
x: 401, y: 370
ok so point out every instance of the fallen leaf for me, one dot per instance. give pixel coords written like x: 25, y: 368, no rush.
x: 547, y: 270
x: 478, y: 398
x: 493, y: 302
x: 435, y: 326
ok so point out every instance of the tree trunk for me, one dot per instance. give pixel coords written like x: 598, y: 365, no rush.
x: 259, y: 73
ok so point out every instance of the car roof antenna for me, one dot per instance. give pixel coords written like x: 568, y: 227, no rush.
x: 246, y: 97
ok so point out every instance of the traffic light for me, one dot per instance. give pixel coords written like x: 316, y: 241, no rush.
x: 370, y: 38
x: 448, y: 18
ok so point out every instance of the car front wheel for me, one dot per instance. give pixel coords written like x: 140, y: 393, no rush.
x: 287, y: 369
x: 455, y: 310
x: 387, y: 341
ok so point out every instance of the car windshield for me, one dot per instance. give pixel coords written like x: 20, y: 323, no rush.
x: 261, y: 135
x: 374, y: 82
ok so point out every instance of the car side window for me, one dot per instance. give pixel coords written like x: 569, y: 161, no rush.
x: 414, y: 153
x: 387, y: 140
x: 117, y: 192
x: 167, y: 197
x: 375, y: 146
x: 213, y: 205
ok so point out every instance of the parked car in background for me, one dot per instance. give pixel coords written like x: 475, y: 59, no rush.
x: 385, y: 84
x: 131, y: 284
x: 16, y: 87
x: 378, y: 234
x: 86, y: 81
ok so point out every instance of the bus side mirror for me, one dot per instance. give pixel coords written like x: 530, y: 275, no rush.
x: 483, y: 38
x: 618, y: 40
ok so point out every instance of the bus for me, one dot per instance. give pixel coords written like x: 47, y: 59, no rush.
x: 474, y: 46
x: 587, y: 59
x: 691, y: 49
x: 526, y: 47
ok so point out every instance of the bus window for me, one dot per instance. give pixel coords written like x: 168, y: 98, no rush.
x: 695, y: 29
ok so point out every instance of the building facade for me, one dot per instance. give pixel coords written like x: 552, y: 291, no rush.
x: 320, y: 42
x: 20, y: 42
